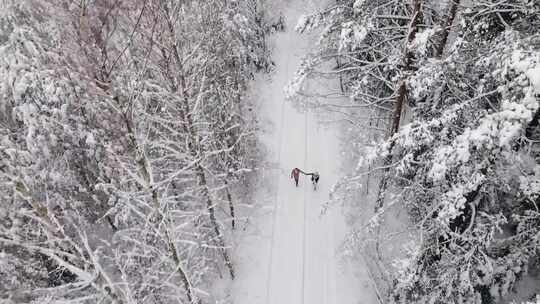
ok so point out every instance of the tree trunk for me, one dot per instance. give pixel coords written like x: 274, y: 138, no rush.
x: 212, y: 215
x: 144, y: 168
x: 187, y: 284
x: 231, y: 205
x: 194, y: 146
x: 533, y: 124
x: 338, y: 67
x: 447, y: 27
x: 400, y: 99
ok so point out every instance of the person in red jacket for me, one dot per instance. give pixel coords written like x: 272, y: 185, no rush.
x: 296, y: 175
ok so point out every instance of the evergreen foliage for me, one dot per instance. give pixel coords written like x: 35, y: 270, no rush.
x: 465, y: 162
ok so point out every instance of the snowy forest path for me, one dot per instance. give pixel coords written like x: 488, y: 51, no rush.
x: 293, y: 256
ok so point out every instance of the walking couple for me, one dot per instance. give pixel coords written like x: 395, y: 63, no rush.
x: 314, y: 177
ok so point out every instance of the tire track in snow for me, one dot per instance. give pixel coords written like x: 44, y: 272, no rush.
x: 276, y: 206
x: 305, y: 222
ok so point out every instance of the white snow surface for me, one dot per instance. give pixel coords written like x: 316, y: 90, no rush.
x: 289, y: 252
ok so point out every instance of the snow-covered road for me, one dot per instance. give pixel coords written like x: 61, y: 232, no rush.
x: 293, y: 256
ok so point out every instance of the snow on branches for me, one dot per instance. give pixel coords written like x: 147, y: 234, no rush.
x: 450, y: 92
x: 123, y: 129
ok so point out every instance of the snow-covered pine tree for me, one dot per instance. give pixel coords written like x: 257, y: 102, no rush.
x: 467, y: 163
x: 371, y: 47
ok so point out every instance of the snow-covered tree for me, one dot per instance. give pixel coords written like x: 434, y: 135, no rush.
x: 375, y: 45
x: 464, y: 162
x: 120, y: 126
x: 468, y: 162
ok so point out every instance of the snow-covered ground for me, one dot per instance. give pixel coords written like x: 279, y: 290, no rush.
x: 289, y: 253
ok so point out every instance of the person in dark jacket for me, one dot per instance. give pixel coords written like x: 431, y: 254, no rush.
x: 315, y: 179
